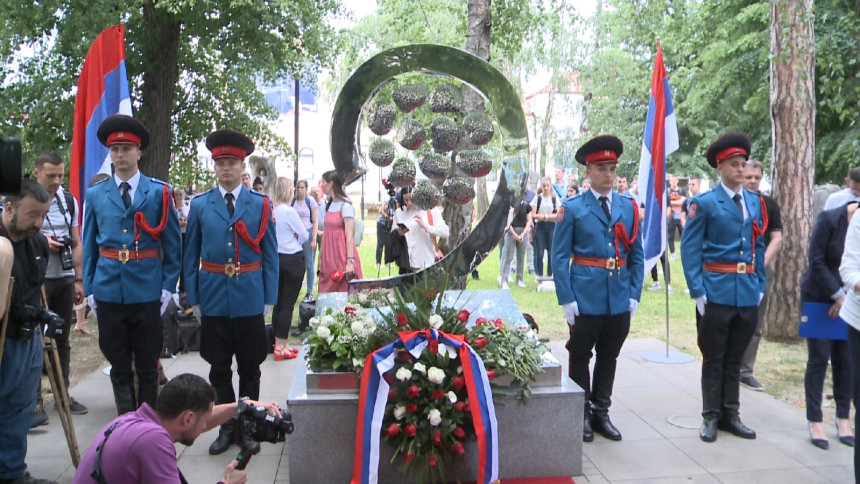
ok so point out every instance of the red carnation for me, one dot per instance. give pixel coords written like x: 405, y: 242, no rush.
x: 480, y: 321
x: 463, y: 316
x: 467, y: 408
x: 459, y: 432
x: 388, y: 377
x: 401, y: 320
x: 438, y: 394
x: 437, y: 437
x: 499, y: 324
x: 412, y: 391
x: 350, y: 310
x: 410, y: 430
x: 491, y: 374
x: 392, y: 430
x: 480, y: 343
x: 407, y: 457
x: 431, y: 459
x: 460, y: 406
x: 459, y: 449
x: 433, y: 347
x: 404, y: 355
x: 391, y: 394
x: 458, y: 382
x: 411, y: 408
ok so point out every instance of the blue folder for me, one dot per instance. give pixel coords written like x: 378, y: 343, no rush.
x: 816, y: 323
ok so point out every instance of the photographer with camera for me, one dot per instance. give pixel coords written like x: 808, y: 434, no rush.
x: 63, y: 280
x: 139, y: 447
x: 21, y: 367
x: 385, y: 220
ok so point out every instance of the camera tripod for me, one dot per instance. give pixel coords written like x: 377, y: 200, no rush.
x: 58, y: 387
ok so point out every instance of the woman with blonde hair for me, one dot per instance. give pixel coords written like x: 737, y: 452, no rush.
x: 339, y: 259
x: 291, y: 235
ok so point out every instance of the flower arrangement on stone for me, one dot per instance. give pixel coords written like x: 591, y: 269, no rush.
x: 507, y: 350
x: 341, y: 339
x: 373, y: 298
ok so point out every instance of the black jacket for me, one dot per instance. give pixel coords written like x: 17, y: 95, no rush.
x: 821, y: 279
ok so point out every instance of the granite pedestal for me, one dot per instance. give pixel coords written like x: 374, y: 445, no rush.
x: 541, y: 438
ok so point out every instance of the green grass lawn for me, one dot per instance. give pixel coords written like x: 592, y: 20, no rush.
x: 780, y: 366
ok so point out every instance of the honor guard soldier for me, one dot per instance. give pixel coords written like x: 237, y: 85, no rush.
x: 723, y: 253
x: 132, y: 252
x: 231, y: 274
x: 599, y: 287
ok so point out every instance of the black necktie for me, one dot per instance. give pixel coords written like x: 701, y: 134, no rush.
x: 604, y: 204
x: 737, y: 199
x: 229, y: 197
x: 126, y: 197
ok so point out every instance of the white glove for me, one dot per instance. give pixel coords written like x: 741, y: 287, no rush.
x: 571, y: 311
x: 195, y: 310
x: 165, y: 300
x: 760, y: 297
x: 632, y: 307
x: 91, y: 301
x: 267, y: 309
x: 701, y: 301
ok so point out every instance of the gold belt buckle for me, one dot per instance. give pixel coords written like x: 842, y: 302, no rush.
x: 742, y: 267
x: 230, y: 269
x: 610, y: 263
x: 122, y: 255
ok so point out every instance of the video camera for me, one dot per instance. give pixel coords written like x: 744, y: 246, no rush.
x: 255, y: 425
x: 10, y: 165
x: 28, y: 318
x: 389, y: 187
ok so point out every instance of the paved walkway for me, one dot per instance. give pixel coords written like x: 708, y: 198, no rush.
x: 646, y: 396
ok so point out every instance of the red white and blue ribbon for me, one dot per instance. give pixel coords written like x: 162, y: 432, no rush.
x: 374, y: 396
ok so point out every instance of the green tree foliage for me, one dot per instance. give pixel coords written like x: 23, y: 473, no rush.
x: 717, y: 58
x: 193, y: 65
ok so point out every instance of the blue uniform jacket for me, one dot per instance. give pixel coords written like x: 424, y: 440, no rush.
x: 584, y: 231
x: 210, y: 236
x: 715, y: 233
x: 108, y: 224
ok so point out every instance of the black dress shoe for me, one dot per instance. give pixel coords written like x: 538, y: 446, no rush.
x: 587, y: 433
x: 820, y: 443
x: 224, y: 440
x: 734, y: 425
x: 603, y: 426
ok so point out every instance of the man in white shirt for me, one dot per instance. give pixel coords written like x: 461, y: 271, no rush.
x: 851, y: 193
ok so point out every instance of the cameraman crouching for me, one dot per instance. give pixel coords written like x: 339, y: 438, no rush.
x: 21, y: 367
x: 138, y: 447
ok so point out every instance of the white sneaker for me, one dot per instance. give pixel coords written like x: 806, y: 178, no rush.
x: 655, y: 286
x: 521, y: 284
x: 669, y: 288
x: 505, y: 286
x: 672, y: 258
x: 510, y: 278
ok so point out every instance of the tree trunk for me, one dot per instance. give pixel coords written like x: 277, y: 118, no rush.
x: 459, y: 217
x: 160, y: 77
x: 546, y: 125
x: 792, y: 108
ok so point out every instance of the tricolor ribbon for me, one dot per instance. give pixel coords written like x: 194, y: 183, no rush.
x: 374, y: 396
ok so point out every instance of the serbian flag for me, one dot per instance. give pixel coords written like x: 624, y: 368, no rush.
x: 102, y: 92
x: 661, y: 139
x: 374, y: 396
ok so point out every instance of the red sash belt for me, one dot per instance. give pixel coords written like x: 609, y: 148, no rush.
x: 125, y: 255
x: 730, y: 268
x: 230, y: 269
x: 608, y: 264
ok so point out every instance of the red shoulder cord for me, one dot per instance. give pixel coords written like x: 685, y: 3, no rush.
x: 141, y: 224
x: 758, y: 231
x: 242, y: 231
x: 621, y: 232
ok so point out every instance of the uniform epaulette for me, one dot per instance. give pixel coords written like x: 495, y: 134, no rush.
x: 152, y: 178
x: 261, y: 195
x: 101, y: 181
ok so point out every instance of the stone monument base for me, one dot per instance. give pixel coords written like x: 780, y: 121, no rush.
x: 541, y: 438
